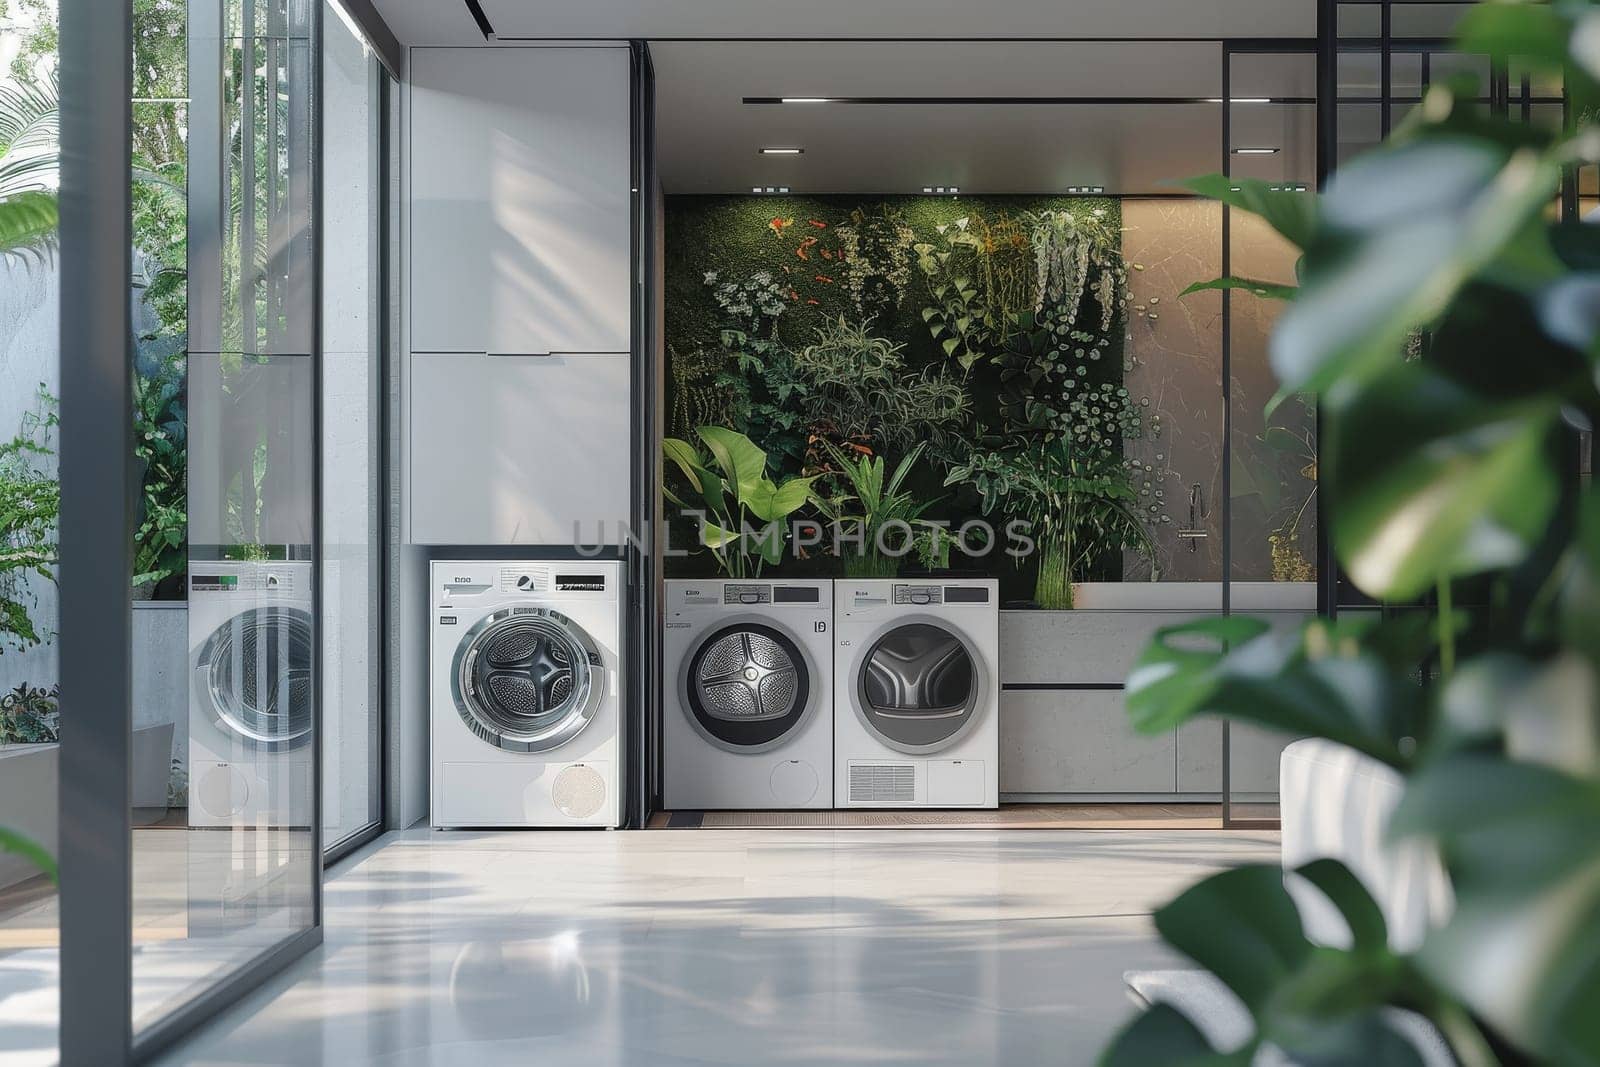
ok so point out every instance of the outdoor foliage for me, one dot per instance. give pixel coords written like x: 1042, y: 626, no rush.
x: 30, y: 123
x: 11, y: 841
x: 29, y: 165
x: 1450, y: 471
x: 30, y: 508
x: 160, y: 431
x: 30, y: 716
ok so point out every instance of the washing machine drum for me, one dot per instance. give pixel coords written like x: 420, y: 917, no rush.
x: 528, y: 679
x: 918, y: 687
x: 748, y: 686
x: 255, y: 670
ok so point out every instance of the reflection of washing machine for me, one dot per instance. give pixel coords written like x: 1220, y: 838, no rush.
x: 916, y: 694
x: 749, y: 670
x: 524, y: 693
x: 252, y: 635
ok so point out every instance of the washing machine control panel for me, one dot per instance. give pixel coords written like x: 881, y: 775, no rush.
x: 917, y: 595
x: 749, y: 595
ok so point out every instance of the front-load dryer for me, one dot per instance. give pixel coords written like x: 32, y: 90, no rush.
x: 524, y: 693
x: 252, y: 639
x: 748, y: 667
x: 916, y: 693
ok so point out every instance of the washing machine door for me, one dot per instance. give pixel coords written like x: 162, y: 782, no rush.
x: 254, y: 672
x: 919, y: 686
x: 528, y: 679
x: 748, y: 686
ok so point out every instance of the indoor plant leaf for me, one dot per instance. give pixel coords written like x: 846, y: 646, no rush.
x: 1268, y: 290
x: 1314, y: 682
x: 1292, y: 214
x: 1522, y: 947
x: 1431, y: 483
x: 741, y: 461
x: 1403, y: 228
x: 1243, y: 927
x: 1368, y: 929
x: 1163, y: 1034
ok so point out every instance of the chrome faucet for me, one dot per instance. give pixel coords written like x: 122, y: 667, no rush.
x: 1198, y: 513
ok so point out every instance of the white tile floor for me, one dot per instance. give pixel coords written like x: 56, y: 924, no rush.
x: 726, y: 947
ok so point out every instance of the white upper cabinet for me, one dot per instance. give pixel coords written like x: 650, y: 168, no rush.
x: 521, y: 201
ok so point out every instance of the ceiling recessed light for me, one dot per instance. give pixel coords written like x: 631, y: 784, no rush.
x: 783, y: 151
x: 927, y: 188
x: 1255, y: 151
x: 783, y: 188
x: 806, y: 99
x: 1241, y: 100
x: 755, y: 188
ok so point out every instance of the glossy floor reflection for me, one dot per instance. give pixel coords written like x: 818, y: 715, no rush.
x: 726, y: 947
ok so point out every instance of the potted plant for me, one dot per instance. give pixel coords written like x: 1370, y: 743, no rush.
x: 1449, y: 477
x: 734, y: 494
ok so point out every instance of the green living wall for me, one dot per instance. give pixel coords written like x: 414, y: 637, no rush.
x: 976, y: 342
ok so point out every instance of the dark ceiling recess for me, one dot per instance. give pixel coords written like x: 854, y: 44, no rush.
x: 480, y: 18
x: 947, y: 101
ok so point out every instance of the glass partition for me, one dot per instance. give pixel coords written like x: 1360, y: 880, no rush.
x: 30, y: 433
x: 352, y: 108
x: 230, y: 873
x: 1271, y: 524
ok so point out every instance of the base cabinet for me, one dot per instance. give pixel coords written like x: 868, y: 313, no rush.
x: 1065, y: 730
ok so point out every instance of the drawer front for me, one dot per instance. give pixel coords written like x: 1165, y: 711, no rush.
x: 1254, y: 766
x: 1079, y: 741
x: 1077, y: 647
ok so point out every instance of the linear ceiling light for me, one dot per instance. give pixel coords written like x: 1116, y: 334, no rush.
x: 1255, y: 151
x: 1241, y: 100
x: 783, y: 151
x: 806, y: 99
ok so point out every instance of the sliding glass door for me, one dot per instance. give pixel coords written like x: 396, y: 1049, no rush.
x: 352, y: 107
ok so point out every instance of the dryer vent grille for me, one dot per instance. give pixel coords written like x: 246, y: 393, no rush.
x: 578, y: 791
x: 883, y: 783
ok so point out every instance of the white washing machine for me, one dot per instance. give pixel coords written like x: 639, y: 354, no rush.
x: 524, y: 693
x: 252, y: 637
x: 748, y: 667
x: 916, y: 694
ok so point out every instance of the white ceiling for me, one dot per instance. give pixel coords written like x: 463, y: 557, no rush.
x: 708, y: 137
x: 422, y: 22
